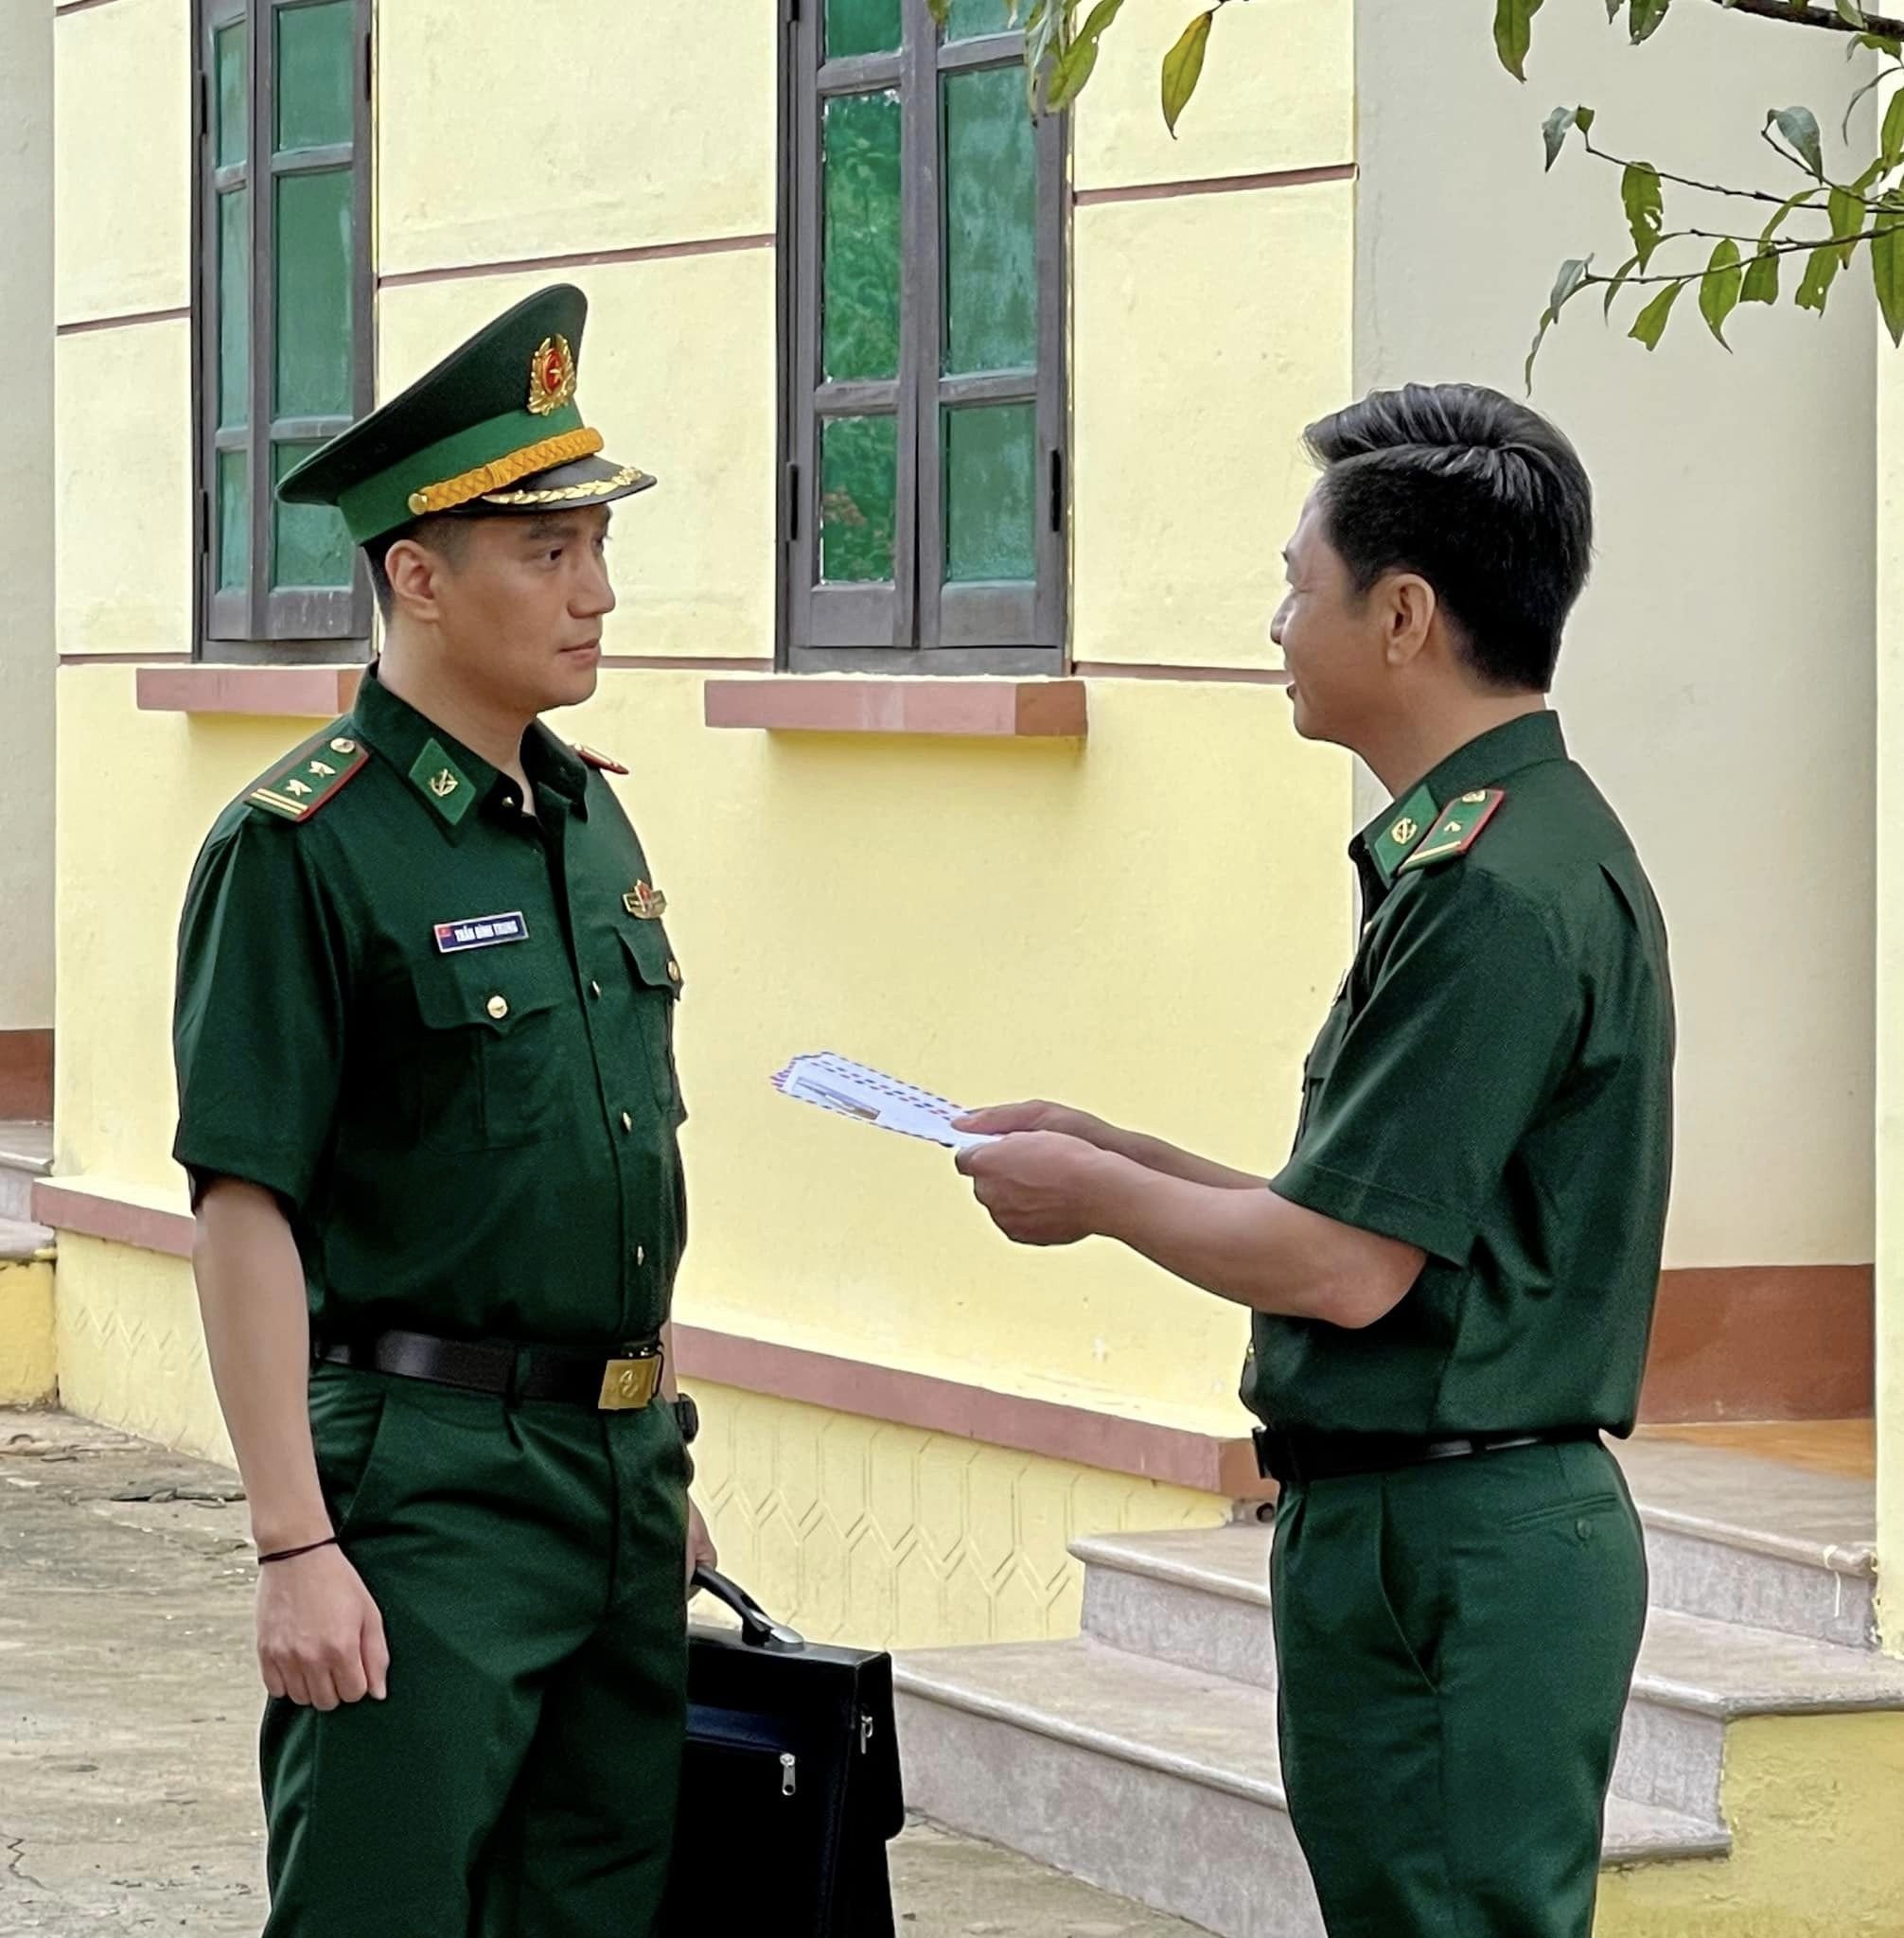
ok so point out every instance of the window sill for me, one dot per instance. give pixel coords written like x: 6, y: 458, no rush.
x: 876, y: 703
x: 304, y: 693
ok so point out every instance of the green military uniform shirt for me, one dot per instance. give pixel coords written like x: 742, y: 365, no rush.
x: 1492, y: 1084
x: 441, y: 1032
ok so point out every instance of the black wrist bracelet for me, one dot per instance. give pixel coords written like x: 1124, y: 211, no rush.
x: 292, y: 1553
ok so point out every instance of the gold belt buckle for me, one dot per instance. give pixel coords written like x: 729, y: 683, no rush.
x: 628, y: 1385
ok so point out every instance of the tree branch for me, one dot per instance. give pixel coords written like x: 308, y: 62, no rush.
x: 1808, y: 16
x: 1698, y: 276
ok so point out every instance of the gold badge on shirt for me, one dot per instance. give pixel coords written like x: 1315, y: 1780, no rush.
x: 646, y: 904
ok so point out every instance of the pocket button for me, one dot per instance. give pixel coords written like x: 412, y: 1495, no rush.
x: 1585, y: 1530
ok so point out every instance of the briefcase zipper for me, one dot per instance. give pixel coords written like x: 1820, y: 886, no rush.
x: 789, y: 1779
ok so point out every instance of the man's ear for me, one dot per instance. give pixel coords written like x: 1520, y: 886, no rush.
x: 1408, y: 610
x: 415, y: 572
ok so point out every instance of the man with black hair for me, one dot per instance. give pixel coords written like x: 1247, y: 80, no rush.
x: 1452, y: 1277
x: 429, y: 1108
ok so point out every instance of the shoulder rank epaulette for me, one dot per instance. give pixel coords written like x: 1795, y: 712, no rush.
x: 1457, y: 830
x: 304, y: 781
x: 600, y: 760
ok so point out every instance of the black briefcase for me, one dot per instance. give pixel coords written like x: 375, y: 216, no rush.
x: 790, y: 1785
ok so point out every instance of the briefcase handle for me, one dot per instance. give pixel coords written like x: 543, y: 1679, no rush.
x: 758, y: 1628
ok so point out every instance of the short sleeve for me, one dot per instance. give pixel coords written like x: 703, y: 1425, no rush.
x: 1463, y: 1038
x: 258, y: 1026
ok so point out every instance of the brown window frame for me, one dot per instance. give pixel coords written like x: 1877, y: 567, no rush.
x: 261, y: 621
x: 914, y: 625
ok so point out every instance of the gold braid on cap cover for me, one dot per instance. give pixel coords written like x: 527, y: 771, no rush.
x: 502, y: 472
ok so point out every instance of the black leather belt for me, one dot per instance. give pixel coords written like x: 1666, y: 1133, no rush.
x: 619, y: 1383
x: 1300, y: 1457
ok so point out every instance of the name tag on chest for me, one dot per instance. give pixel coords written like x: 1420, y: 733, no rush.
x: 481, y: 932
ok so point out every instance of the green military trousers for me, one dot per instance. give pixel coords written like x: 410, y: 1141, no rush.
x: 1453, y: 1644
x: 519, y: 1779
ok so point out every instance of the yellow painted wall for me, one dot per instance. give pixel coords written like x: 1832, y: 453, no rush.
x: 896, y: 1539
x: 123, y: 512
x: 1210, y: 330
x: 122, y: 200
x: 1278, y: 93
x: 572, y: 126
x: 1814, y: 1802
x: 28, y: 1358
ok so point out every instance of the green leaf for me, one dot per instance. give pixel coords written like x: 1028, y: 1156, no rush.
x: 1183, y: 68
x: 1877, y: 43
x: 1761, y: 279
x: 1567, y: 285
x: 1799, y: 127
x: 1791, y: 202
x: 939, y: 10
x: 1618, y: 283
x: 1514, y: 33
x: 1649, y: 325
x: 1851, y: 13
x: 1613, y: 11
x: 1584, y: 119
x: 1645, y: 206
x: 1846, y: 212
x: 1553, y: 130
x: 1891, y: 142
x: 1718, y: 288
x: 1076, y: 63
x: 1887, y: 266
x: 1643, y: 18
x: 1820, y: 272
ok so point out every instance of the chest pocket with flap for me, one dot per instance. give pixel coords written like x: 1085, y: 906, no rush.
x: 656, y: 981
x: 487, y: 1075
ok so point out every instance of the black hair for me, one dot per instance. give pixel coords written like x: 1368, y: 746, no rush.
x: 442, y: 534
x: 1481, y: 496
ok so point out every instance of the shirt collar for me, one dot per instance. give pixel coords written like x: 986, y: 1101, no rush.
x: 1379, y: 850
x: 452, y: 780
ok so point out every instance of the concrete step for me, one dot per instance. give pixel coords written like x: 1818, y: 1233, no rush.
x: 1756, y: 1542
x: 1147, y: 1779
x: 1198, y: 1599
x: 26, y: 1155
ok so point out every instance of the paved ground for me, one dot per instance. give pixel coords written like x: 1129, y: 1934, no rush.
x: 127, y: 1710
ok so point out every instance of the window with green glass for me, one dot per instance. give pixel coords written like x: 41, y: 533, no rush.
x: 921, y: 380
x: 283, y: 314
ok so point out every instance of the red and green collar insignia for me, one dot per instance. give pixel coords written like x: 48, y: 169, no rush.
x: 600, y: 760
x: 298, y: 786
x: 1392, y: 846
x: 1457, y: 829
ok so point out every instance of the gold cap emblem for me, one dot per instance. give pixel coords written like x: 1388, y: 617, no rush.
x: 552, y: 376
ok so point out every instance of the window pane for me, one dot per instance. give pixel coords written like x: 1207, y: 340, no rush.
x: 858, y: 486
x: 991, y: 493
x: 859, y: 310
x: 861, y: 27
x: 230, y: 48
x: 234, y: 307
x: 965, y: 20
x: 990, y: 223
x: 314, y: 294
x: 234, y: 517
x: 309, y: 545
x: 316, y: 69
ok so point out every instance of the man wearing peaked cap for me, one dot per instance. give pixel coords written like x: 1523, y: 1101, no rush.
x: 427, y: 1103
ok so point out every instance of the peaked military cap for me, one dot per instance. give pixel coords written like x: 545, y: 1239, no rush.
x: 494, y: 428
